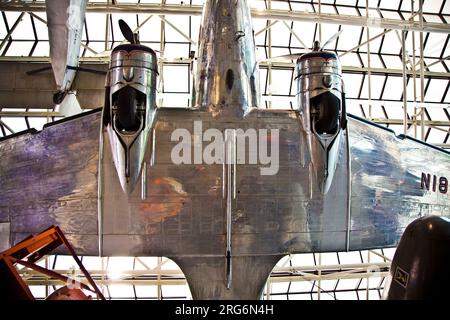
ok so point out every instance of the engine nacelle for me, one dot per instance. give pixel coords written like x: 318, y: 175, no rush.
x: 130, y: 108
x: 321, y: 100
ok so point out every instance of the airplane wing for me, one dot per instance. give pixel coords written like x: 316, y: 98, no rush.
x: 51, y: 178
x: 395, y: 179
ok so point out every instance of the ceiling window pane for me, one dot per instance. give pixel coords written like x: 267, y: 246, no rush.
x: 176, y: 78
x: 41, y: 27
x: 432, y: 6
x: 351, y: 59
x: 352, y: 83
x: 280, y: 35
x: 376, y: 86
x: 436, y: 136
x: 16, y: 124
x: 177, y: 50
x: 375, y: 61
x: 20, y: 48
x: 42, y: 49
x: 349, y: 38
x: 179, y: 22
x: 393, y: 62
x: 281, y: 81
x: 391, y: 44
x: 393, y: 89
x: 435, y: 45
x: 24, y: 30
x: 436, y: 89
x: 96, y: 26
x: 37, y: 123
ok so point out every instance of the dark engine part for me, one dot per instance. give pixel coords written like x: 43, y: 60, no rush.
x: 320, y: 90
x: 130, y: 104
x: 59, y: 96
x: 325, y: 110
x: 421, y: 263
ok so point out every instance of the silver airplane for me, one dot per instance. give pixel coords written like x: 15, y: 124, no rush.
x: 65, y: 21
x: 63, y: 83
x: 324, y: 181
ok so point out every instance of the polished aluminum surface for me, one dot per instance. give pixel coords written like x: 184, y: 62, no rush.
x: 183, y: 216
x: 188, y: 216
x: 387, y: 190
x: 4, y: 236
x: 50, y: 178
x: 318, y: 74
x: 227, y: 78
x: 65, y: 20
x: 135, y: 69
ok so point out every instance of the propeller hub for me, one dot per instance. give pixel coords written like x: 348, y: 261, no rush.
x: 316, y: 46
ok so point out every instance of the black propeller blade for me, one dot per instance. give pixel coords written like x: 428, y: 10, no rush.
x: 127, y: 32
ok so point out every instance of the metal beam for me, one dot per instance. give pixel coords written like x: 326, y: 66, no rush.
x: 177, y: 30
x: 8, y: 36
x: 269, y: 14
x: 158, y: 276
x: 178, y: 282
x: 399, y: 72
x: 272, y: 23
x: 374, y: 71
x: 397, y: 103
x: 436, y: 62
x: 365, y: 42
x: 295, y: 35
x: 434, y: 123
x: 274, y: 65
x: 92, y: 60
x: 7, y: 127
x: 30, y: 114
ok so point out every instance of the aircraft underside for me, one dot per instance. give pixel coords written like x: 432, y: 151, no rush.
x: 222, y: 223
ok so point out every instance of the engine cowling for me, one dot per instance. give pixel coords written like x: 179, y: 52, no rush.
x: 321, y: 101
x: 130, y: 108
